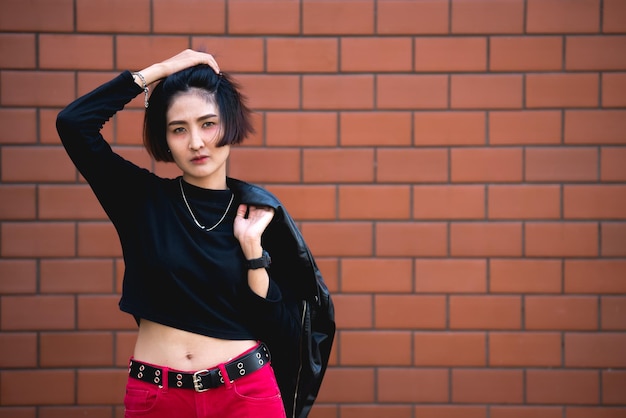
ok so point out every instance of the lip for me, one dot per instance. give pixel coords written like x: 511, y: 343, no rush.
x: 200, y: 159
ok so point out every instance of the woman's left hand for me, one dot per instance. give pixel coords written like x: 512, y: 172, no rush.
x: 248, y: 229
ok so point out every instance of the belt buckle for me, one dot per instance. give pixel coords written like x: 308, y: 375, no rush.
x: 197, y: 380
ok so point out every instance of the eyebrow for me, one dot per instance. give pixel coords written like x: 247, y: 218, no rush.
x: 182, y: 122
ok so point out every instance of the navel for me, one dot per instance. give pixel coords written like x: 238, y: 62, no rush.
x: 189, y: 356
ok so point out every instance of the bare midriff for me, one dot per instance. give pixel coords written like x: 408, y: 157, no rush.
x: 185, y: 351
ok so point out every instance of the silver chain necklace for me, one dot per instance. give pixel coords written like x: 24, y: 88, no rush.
x: 204, y: 228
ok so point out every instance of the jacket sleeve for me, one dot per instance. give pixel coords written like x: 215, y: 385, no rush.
x: 114, y: 180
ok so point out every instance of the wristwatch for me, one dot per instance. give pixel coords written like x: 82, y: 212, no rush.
x: 257, y: 263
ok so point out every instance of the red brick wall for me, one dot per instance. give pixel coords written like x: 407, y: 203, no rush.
x: 457, y: 166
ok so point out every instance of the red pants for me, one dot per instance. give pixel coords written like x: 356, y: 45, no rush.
x: 252, y: 396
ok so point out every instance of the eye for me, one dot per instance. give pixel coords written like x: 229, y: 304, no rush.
x: 178, y: 130
x: 208, y: 124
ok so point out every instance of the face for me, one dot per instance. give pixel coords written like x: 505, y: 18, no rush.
x: 193, y: 130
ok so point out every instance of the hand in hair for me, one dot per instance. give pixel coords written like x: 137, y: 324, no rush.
x: 185, y: 59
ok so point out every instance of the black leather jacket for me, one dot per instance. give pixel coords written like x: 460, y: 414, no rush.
x: 301, y: 345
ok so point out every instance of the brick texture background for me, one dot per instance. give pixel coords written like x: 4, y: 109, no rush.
x: 458, y: 167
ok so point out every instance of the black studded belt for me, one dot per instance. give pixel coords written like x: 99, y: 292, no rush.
x: 202, y: 380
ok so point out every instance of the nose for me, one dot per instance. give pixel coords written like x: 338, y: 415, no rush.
x: 196, y: 142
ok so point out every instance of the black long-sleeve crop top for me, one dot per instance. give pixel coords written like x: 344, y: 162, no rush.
x: 175, y: 273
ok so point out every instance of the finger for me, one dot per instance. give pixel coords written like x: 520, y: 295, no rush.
x: 242, y: 210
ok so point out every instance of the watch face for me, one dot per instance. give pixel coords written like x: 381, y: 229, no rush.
x: 258, y: 263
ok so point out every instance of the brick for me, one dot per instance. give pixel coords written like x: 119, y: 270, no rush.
x: 485, y: 312
x: 337, y: 92
x: 97, y: 387
x: 263, y: 17
x: 411, y: 91
x: 37, y: 239
x: 353, y: 311
x: 486, y: 165
x: 308, y: 202
x: 451, y: 411
x: 25, y: 313
x: 492, y: 91
x: 17, y: 387
x: 234, y: 54
x: 450, y: 276
x: 285, y: 163
x: 76, y: 349
x: 330, y: 270
x: 18, y: 276
x: 595, y: 411
x: 18, y: 51
x: 36, y: 164
x: 411, y: 165
x: 37, y: 15
x: 595, y: 276
x: 68, y: 202
x: 411, y: 239
x: 76, y: 276
x: 595, y: 126
x: 371, y: 411
x: 441, y: 349
x: 561, y: 313
x: 393, y: 54
x: 81, y: 52
x: 363, y: 275
x: 613, y: 239
x: 449, y: 128
x: 384, y: 348
x: 124, y: 345
x: 603, y: 350
x: 314, y: 129
x: 136, y: 52
x: 516, y: 53
x: 485, y: 239
x: 525, y: 127
x: 75, y: 412
x: 561, y: 164
x: 487, y: 16
x: 18, y: 202
x: 449, y: 202
x: 271, y: 91
x: 487, y: 386
x: 524, y: 202
x: 613, y: 16
x: 525, y: 276
x: 360, y: 389
x: 561, y: 90
x: 97, y: 239
x: 602, y: 53
x: 384, y: 202
x: 613, y: 313
x: 409, y: 312
x: 339, y: 238
x: 128, y: 127
x: 566, y: 239
x: 36, y: 88
x: 613, y: 384
x: 526, y: 412
x: 594, y: 202
x: 410, y: 17
x: 18, y: 350
x: 340, y: 17
x: 114, y: 16
x: 562, y: 16
x: 523, y: 349
x: 562, y: 387
x: 450, y: 54
x: 614, y: 89
x: 338, y: 165
x: 302, y: 55
x: 18, y: 412
x: 20, y: 125
x: 412, y: 385
x: 374, y: 128
x: 185, y: 17
x: 101, y: 312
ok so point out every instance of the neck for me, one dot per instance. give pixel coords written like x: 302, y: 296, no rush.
x: 218, y: 183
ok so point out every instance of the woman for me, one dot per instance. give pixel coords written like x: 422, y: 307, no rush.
x: 217, y: 275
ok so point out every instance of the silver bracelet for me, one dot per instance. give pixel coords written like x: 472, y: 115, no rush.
x: 145, y: 86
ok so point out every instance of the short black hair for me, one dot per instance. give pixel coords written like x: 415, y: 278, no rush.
x: 235, y: 116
